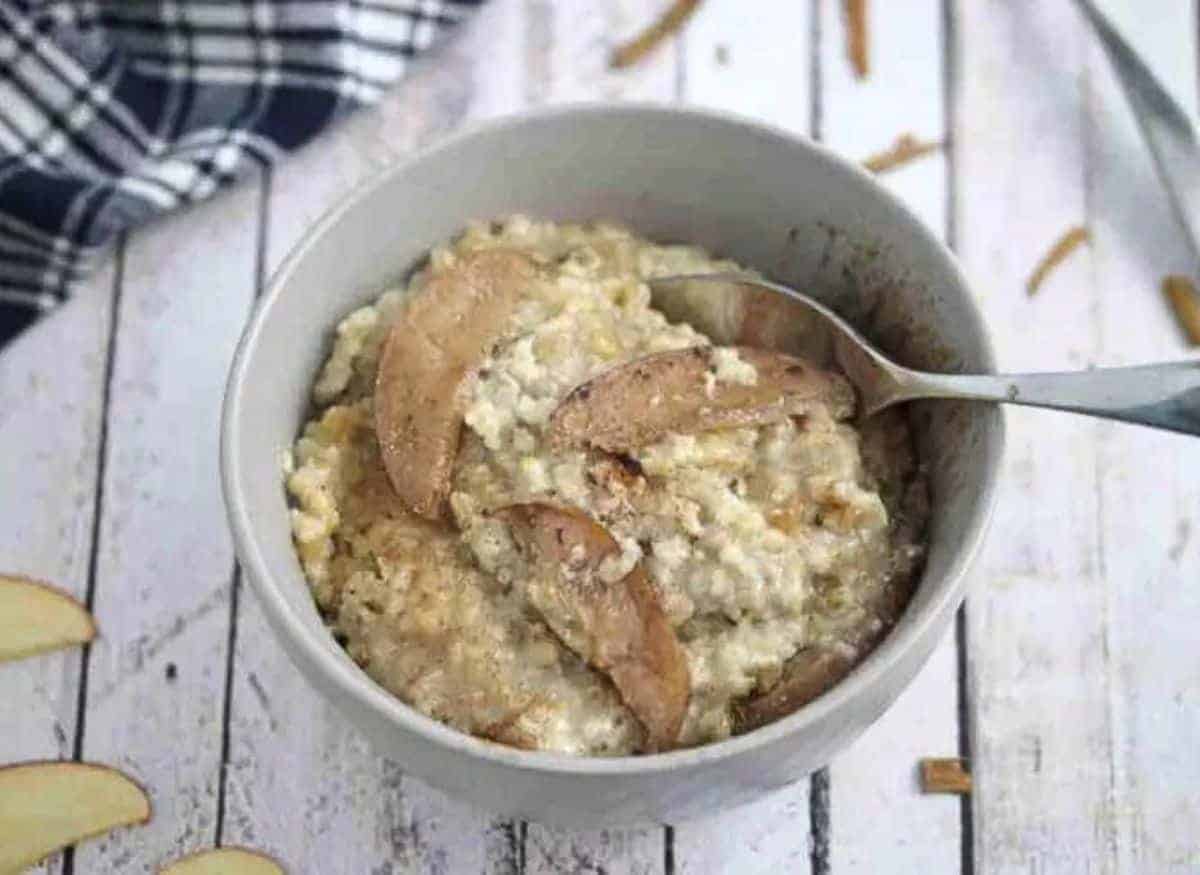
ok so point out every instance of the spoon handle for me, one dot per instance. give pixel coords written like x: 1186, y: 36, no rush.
x: 1163, y: 396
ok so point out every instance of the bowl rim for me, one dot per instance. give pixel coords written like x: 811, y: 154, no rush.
x: 348, y: 679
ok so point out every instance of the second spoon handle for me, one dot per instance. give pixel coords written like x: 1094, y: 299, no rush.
x: 1163, y: 396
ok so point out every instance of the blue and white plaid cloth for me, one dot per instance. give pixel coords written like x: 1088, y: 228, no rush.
x: 112, y: 112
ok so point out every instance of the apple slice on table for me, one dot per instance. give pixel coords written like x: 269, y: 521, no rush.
x: 36, y: 618
x: 47, y: 806
x: 679, y: 392
x: 224, y: 861
x: 439, y: 339
x: 618, y: 627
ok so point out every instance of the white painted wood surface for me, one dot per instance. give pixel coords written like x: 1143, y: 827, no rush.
x: 1080, y: 652
x: 1080, y: 659
x: 1149, y: 493
x: 47, y: 500
x: 875, y: 781
x: 1041, y: 727
x: 161, y: 588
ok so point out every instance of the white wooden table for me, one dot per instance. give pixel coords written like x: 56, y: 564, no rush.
x: 1073, y: 677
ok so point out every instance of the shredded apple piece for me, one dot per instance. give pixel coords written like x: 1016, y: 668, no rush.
x: 806, y: 676
x: 905, y: 149
x: 644, y: 43
x: 641, y: 401
x: 945, y: 775
x: 1064, y: 246
x: 438, y: 340
x: 857, y: 37
x: 1185, y: 301
x: 619, y: 627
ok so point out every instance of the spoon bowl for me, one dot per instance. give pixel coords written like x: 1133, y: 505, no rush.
x: 733, y: 308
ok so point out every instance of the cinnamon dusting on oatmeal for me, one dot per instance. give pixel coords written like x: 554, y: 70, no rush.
x: 669, y: 618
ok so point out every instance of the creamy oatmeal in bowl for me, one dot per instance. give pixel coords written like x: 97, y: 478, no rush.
x: 797, y: 213
x: 536, y: 510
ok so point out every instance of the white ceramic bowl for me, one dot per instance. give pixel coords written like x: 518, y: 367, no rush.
x: 768, y: 199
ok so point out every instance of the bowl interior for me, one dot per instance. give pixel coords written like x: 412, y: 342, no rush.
x: 765, y: 199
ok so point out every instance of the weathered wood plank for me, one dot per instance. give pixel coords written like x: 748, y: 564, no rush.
x: 359, y: 813
x: 755, y: 66
x: 1038, y: 665
x: 164, y: 553
x: 760, y: 64
x: 1148, y: 486
x: 875, y: 781
x: 51, y: 391
x: 568, y: 48
x: 769, y: 835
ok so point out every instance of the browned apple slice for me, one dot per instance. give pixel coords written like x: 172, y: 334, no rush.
x: 35, y: 618
x: 224, y: 861
x: 618, y: 627
x: 639, y: 402
x: 439, y: 339
x: 807, y: 675
x: 47, y: 806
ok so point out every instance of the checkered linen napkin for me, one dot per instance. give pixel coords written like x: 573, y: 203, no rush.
x: 112, y: 112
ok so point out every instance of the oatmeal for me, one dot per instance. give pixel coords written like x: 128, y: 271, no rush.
x: 546, y: 515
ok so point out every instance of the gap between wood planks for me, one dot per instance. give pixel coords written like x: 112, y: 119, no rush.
x: 819, y: 783
x: 89, y: 601
x: 235, y: 577
x: 951, y: 49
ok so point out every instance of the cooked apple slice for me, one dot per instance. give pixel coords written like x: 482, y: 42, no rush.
x: 439, y: 339
x: 639, y: 402
x: 224, y: 861
x: 47, y: 806
x: 807, y: 675
x: 618, y: 627
x: 36, y: 617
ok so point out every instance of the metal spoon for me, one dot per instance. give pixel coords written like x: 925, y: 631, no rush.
x: 1165, y: 125
x: 1163, y: 396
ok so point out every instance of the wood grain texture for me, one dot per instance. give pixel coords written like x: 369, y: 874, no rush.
x: 756, y: 66
x: 1148, y: 486
x: 569, y: 43
x: 1039, y: 664
x: 164, y: 554
x: 875, y: 781
x: 51, y: 390
x: 51, y: 396
x: 769, y: 835
x: 761, y: 65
